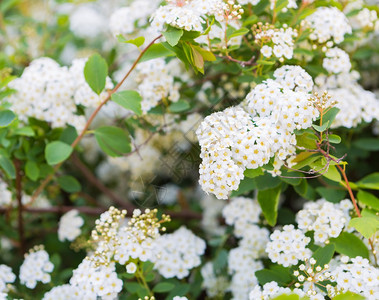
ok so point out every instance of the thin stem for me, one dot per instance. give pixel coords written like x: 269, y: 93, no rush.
x: 89, y: 122
x: 20, y: 207
x: 139, y: 274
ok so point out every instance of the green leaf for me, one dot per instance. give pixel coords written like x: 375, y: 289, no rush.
x: 368, y: 199
x: 6, y: 117
x: 334, y: 139
x: 56, y: 152
x: 173, y: 35
x: 163, y: 287
x: 246, y: 185
x: 68, y: 135
x: 265, y: 62
x: 321, y: 128
x: 129, y: 99
x: 95, y: 73
x: 132, y: 287
x: 179, y: 106
x: 367, y: 226
x: 24, y: 131
x: 330, y: 115
x: 32, y: 170
x: 252, y: 173
x: 221, y: 260
x: 296, y: 180
x: 69, y: 184
x: 280, y: 4
x: 349, y: 296
x: 369, y: 182
x: 288, y: 297
x: 113, y: 141
x: 266, y: 181
x: 137, y: 41
x: 279, y: 274
x: 238, y: 32
x: 324, y: 255
x: 269, y: 201
x: 370, y: 144
x: 349, y: 244
x: 155, y: 51
x: 331, y: 195
x: 7, y: 165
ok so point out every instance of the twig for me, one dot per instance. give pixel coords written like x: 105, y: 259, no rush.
x: 20, y: 207
x: 93, y: 115
x: 92, y: 179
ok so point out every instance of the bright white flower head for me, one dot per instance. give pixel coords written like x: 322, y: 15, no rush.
x: 6, y: 276
x: 178, y: 253
x: 288, y: 246
x: 65, y: 291
x: 328, y: 24
x: 36, y: 267
x: 336, y: 61
x: 5, y: 194
x: 69, y: 226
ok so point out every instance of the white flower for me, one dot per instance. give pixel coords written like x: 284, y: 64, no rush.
x: 131, y: 268
x: 69, y: 226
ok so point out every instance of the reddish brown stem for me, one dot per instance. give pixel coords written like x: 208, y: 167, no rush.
x: 89, y: 122
x: 20, y: 207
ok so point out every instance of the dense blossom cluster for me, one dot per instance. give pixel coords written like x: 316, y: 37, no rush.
x: 36, y: 267
x: 328, y: 24
x: 243, y: 260
x: 49, y: 92
x: 214, y: 285
x: 288, y: 246
x: 336, y: 61
x: 277, y: 42
x: 64, y: 292
x: 96, y: 281
x: 156, y: 82
x: 6, y: 276
x: 324, y: 218
x: 358, y: 276
x: 234, y: 140
x: 178, y: 253
x: 69, y: 226
x: 356, y: 104
x: 123, y: 20
x: 271, y: 290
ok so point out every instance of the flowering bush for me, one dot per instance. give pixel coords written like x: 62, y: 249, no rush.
x: 189, y: 149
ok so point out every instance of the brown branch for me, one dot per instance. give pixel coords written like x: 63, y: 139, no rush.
x: 94, y: 181
x: 89, y: 122
x: 20, y: 219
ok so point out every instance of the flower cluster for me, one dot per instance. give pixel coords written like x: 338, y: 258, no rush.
x: 243, y: 261
x: 214, y: 285
x: 156, y: 82
x: 288, y: 246
x: 328, y: 23
x: 311, y: 276
x: 234, y: 140
x: 356, y: 104
x: 65, y: 291
x: 137, y: 240
x: 336, y: 61
x: 96, y: 281
x: 271, y: 290
x: 69, y: 226
x: 178, y: 253
x: 229, y: 141
x: 105, y: 236
x: 324, y: 218
x: 36, y: 267
x: 277, y: 42
x: 358, y: 276
x: 6, y: 276
x: 123, y: 20
x: 240, y: 213
x: 49, y: 92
